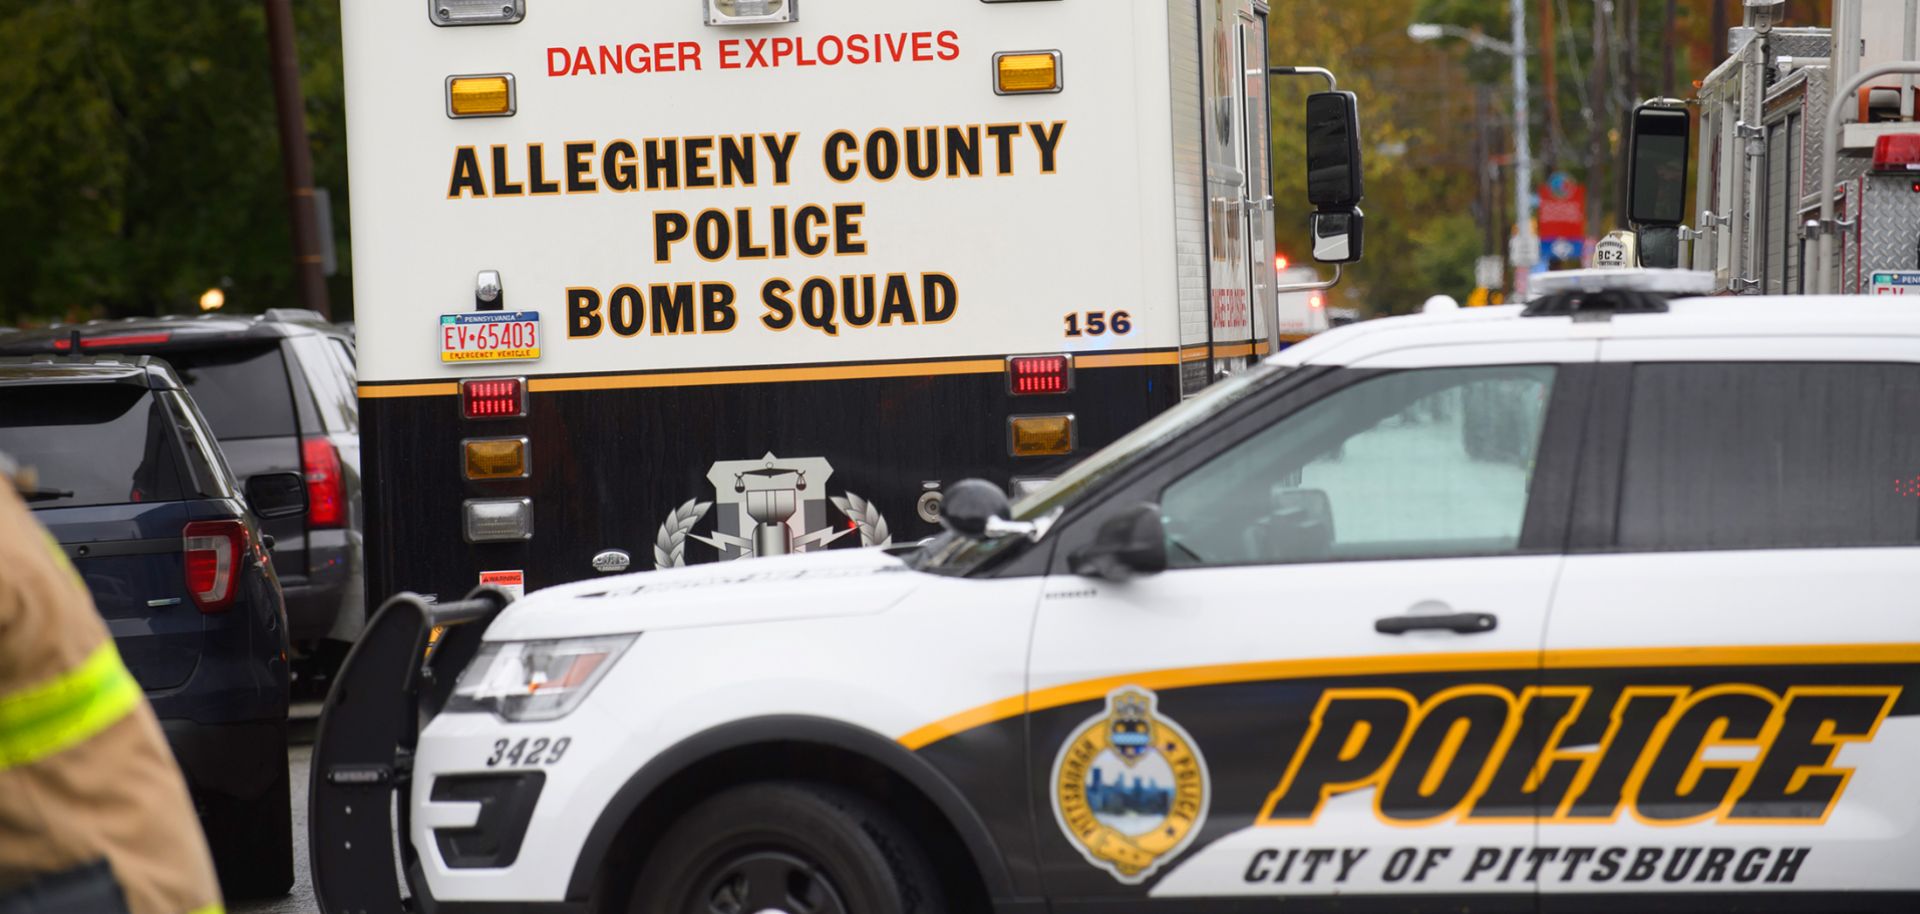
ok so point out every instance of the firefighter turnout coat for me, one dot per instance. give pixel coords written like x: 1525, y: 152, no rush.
x: 94, y: 813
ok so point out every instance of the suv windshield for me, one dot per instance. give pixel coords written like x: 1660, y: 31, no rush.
x: 956, y: 555
x: 89, y: 444
x: 242, y: 391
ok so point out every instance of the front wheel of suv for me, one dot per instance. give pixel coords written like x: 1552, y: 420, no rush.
x: 791, y: 847
x: 252, y: 839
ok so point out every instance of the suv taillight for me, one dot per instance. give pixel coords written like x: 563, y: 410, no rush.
x: 324, y: 496
x: 215, y: 551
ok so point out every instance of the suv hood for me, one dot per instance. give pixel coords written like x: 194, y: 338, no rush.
x: 840, y: 582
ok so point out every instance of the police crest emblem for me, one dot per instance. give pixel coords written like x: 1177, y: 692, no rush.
x: 1130, y: 787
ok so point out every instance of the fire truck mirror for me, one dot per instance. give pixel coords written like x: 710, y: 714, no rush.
x: 1657, y: 167
x: 1337, y: 235
x: 1660, y: 247
x: 1333, y: 150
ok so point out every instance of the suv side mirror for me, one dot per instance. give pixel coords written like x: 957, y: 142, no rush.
x: 277, y: 495
x: 970, y: 504
x: 1334, y: 183
x: 1129, y: 543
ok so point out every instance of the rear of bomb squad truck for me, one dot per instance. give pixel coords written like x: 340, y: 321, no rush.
x: 650, y: 284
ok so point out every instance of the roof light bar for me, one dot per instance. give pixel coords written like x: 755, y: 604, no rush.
x: 1658, y: 282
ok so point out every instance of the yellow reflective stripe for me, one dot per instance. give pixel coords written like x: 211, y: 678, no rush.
x: 209, y: 909
x: 51, y: 718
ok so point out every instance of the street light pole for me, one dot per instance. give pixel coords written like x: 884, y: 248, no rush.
x: 1524, y: 251
x: 1528, y: 245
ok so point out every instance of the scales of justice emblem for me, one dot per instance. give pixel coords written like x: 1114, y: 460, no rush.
x: 1130, y: 788
x: 767, y: 507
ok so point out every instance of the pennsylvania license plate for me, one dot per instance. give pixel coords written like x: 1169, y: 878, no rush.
x: 490, y: 336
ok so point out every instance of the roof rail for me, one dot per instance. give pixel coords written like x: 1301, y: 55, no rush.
x: 294, y: 315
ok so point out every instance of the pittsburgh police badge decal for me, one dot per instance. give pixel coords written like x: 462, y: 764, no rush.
x: 1130, y: 787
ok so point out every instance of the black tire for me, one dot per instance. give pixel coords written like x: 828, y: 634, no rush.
x: 794, y: 847
x: 252, y: 839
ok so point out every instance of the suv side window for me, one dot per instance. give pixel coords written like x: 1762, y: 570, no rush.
x: 1769, y: 456
x: 332, y: 384
x: 1425, y: 463
x: 206, y: 470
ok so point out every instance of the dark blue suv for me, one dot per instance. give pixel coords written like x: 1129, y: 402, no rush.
x: 121, y: 467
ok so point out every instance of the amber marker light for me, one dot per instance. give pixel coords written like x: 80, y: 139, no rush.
x: 490, y: 95
x: 1041, y: 436
x: 495, y: 458
x: 1026, y: 72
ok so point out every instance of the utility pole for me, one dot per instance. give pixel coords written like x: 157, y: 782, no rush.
x: 1666, y: 51
x: 1629, y: 51
x: 296, y: 157
x: 1550, y: 74
x: 1598, y: 96
x: 1526, y: 243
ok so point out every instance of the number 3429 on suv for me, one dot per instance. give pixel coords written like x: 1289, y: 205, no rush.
x: 1491, y: 611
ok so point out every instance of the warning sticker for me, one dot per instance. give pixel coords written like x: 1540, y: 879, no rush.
x: 513, y: 582
x: 490, y: 336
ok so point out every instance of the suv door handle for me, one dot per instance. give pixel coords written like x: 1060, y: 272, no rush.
x: 1458, y: 623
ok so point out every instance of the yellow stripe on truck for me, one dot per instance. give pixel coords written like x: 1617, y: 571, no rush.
x: 55, y: 716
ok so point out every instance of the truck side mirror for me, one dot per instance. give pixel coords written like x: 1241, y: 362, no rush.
x: 1657, y: 166
x: 1333, y: 150
x: 1334, y: 183
x: 1337, y: 235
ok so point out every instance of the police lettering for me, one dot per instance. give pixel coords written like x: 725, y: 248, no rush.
x: 718, y: 234
x: 1485, y: 753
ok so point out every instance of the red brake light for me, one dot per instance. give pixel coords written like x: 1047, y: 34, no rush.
x: 1897, y: 152
x: 111, y: 342
x: 214, y: 551
x: 1280, y: 262
x: 1028, y: 375
x: 324, y: 502
x: 500, y: 398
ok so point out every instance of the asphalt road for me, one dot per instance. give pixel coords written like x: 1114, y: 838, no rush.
x: 300, y: 900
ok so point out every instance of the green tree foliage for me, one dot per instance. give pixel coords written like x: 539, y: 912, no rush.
x: 140, y: 159
x: 1417, y: 131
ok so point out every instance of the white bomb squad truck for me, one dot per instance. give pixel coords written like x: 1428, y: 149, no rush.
x: 647, y: 284
x: 644, y: 285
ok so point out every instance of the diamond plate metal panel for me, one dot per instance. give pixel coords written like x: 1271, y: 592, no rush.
x: 1889, y: 228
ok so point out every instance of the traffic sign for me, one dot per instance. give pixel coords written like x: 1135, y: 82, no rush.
x: 1563, y: 208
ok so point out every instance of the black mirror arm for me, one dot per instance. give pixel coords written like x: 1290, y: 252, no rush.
x: 1333, y: 85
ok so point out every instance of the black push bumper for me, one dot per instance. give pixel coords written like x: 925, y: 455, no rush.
x: 388, y: 687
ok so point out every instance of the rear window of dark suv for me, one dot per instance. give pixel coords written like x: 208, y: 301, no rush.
x: 90, y: 444
x: 242, y: 390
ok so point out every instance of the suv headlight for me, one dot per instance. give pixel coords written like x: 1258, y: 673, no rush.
x: 536, y: 680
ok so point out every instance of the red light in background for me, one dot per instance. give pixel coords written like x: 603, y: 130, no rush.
x: 1280, y: 262
x: 496, y: 399
x: 1316, y: 300
x: 1028, y: 375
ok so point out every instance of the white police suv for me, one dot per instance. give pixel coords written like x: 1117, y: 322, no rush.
x: 1610, y: 601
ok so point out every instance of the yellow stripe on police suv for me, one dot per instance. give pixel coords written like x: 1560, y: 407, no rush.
x: 69, y: 710
x: 1398, y: 664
